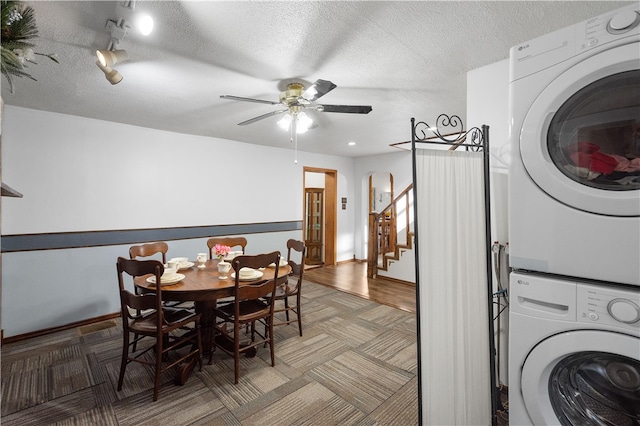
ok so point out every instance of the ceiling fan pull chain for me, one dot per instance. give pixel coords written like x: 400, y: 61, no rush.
x: 294, y: 135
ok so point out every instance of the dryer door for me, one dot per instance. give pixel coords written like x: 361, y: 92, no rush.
x: 583, y: 377
x: 580, y: 140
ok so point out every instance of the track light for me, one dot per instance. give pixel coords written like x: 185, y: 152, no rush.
x: 106, y: 59
x: 138, y: 20
x: 127, y: 18
x: 113, y: 76
x: 109, y: 58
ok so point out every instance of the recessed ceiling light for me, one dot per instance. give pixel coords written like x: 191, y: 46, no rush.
x: 352, y: 143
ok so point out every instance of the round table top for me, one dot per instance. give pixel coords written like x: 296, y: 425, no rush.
x: 203, y: 283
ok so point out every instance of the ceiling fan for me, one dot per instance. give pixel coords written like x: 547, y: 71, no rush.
x: 296, y: 98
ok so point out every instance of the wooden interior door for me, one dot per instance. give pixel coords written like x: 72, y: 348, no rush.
x: 314, y: 225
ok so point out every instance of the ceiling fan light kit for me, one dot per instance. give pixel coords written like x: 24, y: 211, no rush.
x: 302, y: 122
x: 285, y: 122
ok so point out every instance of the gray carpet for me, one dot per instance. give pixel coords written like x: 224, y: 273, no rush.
x: 355, y: 365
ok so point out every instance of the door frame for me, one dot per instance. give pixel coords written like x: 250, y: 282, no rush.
x: 371, y: 195
x: 330, y: 211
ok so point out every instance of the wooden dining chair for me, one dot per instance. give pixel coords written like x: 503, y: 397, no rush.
x: 169, y: 328
x: 226, y: 241
x: 291, y: 286
x: 149, y: 249
x: 248, y: 307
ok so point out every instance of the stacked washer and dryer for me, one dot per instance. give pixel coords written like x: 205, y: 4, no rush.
x: 574, y: 224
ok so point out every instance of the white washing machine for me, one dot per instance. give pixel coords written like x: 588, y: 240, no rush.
x: 574, y: 178
x: 574, y: 356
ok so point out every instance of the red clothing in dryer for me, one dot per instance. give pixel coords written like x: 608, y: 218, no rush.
x: 602, y: 163
x: 586, y: 147
x: 626, y: 165
x: 588, y: 155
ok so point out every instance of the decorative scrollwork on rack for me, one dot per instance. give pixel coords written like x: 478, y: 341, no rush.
x: 449, y: 130
x: 476, y: 139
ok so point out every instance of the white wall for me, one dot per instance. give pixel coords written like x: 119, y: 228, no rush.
x: 81, y: 174
x: 487, y: 103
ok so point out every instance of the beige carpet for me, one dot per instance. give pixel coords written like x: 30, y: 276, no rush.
x: 355, y: 365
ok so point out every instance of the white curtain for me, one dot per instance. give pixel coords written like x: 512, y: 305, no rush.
x: 454, y: 335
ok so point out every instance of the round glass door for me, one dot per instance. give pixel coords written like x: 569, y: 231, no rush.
x: 596, y: 388
x: 594, y: 137
x: 580, y: 140
x: 570, y: 375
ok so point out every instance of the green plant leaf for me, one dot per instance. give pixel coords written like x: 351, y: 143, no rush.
x: 18, y: 28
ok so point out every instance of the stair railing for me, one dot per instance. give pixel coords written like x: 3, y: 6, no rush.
x: 383, y: 231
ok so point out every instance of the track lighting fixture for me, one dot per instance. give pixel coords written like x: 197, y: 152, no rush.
x: 107, y: 58
x: 112, y: 75
x: 127, y: 18
x: 135, y: 19
x: 111, y: 57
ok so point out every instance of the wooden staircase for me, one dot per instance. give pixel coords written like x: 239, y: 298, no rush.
x: 400, y: 249
x: 390, y: 233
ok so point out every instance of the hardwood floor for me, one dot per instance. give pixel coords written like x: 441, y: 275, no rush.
x: 351, y: 277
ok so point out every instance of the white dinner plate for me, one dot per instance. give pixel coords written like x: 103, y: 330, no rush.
x: 283, y: 262
x: 186, y: 265
x: 255, y: 276
x: 177, y: 278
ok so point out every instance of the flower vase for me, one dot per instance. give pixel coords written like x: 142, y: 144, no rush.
x: 223, y: 269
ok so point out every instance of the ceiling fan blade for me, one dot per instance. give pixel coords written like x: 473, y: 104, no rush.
x: 318, y: 89
x: 261, y: 117
x: 239, y: 98
x: 351, y: 109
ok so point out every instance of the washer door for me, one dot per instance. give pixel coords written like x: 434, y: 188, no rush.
x: 580, y: 140
x: 583, y: 377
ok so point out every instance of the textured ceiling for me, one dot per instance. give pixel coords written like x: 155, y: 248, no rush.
x: 405, y: 59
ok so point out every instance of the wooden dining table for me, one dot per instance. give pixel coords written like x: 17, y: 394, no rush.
x: 204, y: 287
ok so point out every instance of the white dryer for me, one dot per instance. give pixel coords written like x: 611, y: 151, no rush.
x: 574, y: 178
x: 574, y: 356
